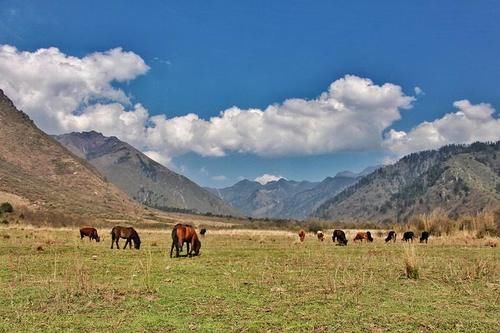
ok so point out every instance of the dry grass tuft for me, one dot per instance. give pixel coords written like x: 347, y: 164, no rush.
x: 410, y: 262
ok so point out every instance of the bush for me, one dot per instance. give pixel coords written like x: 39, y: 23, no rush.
x: 6, y: 207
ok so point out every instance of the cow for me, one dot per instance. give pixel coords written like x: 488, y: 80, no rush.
x: 91, y: 233
x: 424, y: 237
x: 391, y: 236
x: 302, y: 235
x: 320, y: 235
x: 408, y: 236
x: 339, y: 236
x: 363, y: 235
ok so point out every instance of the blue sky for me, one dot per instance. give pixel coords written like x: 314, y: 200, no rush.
x: 207, y: 56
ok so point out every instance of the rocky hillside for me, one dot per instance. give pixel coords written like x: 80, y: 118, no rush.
x: 37, y: 171
x: 145, y: 180
x: 461, y: 179
x: 286, y: 198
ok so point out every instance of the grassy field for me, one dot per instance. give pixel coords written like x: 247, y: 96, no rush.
x: 245, y: 281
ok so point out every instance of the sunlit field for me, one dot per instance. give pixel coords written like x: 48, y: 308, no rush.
x: 246, y: 281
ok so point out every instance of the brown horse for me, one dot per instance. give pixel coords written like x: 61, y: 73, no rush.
x: 302, y: 235
x: 185, y: 233
x: 363, y: 235
x: 91, y: 233
x: 128, y: 233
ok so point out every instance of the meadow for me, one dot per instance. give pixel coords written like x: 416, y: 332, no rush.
x: 246, y: 281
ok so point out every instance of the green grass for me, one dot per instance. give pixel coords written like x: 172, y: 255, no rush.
x: 244, y: 282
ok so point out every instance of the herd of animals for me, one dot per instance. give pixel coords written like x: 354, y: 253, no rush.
x: 185, y: 233
x: 181, y: 233
x: 339, y: 236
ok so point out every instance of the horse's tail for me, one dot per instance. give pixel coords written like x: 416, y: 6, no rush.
x: 174, y: 240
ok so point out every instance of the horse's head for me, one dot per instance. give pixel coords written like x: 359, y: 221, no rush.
x: 137, y: 242
x: 197, y: 247
x: 97, y: 239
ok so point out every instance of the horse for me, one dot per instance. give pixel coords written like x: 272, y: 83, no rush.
x: 391, y: 236
x: 339, y: 235
x: 185, y: 233
x: 203, y: 231
x: 302, y: 235
x: 320, y: 235
x: 363, y: 235
x: 128, y: 233
x: 408, y: 236
x: 91, y: 233
x: 424, y: 237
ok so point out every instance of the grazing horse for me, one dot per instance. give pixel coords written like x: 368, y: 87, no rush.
x: 128, y: 233
x: 302, y: 235
x: 320, y: 235
x: 91, y: 233
x: 408, y: 236
x: 424, y: 237
x: 363, y: 235
x: 185, y: 233
x: 339, y: 235
x: 203, y: 231
x: 391, y: 236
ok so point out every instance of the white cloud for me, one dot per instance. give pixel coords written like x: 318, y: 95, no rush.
x: 63, y: 93
x: 472, y: 122
x: 266, y: 178
x: 418, y: 91
x: 219, y: 178
x: 157, y: 157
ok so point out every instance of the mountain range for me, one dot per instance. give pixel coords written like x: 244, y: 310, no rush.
x: 459, y: 179
x: 143, y: 179
x: 286, y: 198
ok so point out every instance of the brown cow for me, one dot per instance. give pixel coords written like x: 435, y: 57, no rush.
x: 90, y: 232
x: 363, y: 235
x: 302, y: 235
x: 185, y: 233
x: 320, y: 235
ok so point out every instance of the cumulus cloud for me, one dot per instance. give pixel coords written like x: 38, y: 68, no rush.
x: 267, y: 178
x: 63, y: 93
x: 472, y: 122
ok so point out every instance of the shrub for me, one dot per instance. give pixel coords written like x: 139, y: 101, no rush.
x: 6, y: 207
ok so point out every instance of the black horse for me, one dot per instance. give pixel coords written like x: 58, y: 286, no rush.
x: 339, y: 236
x: 408, y: 236
x: 391, y: 236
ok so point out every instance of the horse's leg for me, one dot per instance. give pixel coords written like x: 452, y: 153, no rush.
x: 188, y: 252
x: 112, y: 240
x: 117, y: 246
x: 126, y: 242
x: 172, y: 249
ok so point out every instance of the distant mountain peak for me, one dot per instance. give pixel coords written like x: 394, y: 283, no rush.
x: 141, y: 177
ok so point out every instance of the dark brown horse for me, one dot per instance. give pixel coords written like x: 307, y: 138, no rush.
x: 302, y: 235
x: 185, y: 233
x: 91, y: 233
x: 128, y: 233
